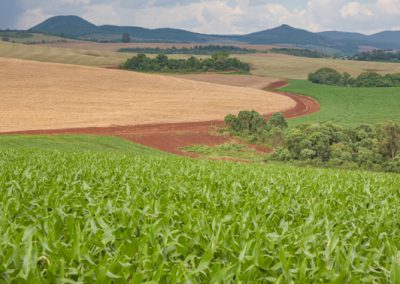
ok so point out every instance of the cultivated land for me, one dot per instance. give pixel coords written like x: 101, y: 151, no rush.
x: 50, y: 96
x: 292, y: 67
x: 114, y: 218
x: 349, y: 106
x: 269, y: 65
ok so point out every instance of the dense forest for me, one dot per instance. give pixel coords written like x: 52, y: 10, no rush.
x: 329, y: 76
x: 299, y: 52
x: 377, y: 55
x: 196, y: 50
x: 365, y: 147
x: 161, y: 63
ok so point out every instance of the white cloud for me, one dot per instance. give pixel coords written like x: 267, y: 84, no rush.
x: 225, y: 16
x: 102, y: 14
x: 31, y: 18
x: 354, y: 9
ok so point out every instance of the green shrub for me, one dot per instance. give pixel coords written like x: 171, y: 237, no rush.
x: 326, y: 76
x: 329, y: 76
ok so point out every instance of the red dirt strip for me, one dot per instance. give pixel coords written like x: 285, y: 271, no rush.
x: 170, y: 137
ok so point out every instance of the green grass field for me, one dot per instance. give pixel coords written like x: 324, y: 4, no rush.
x: 19, y: 37
x: 349, y: 106
x: 78, y: 217
x: 73, y: 143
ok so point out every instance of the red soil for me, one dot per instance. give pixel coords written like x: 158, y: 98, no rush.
x: 170, y: 137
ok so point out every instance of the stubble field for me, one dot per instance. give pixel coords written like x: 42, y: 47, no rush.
x: 50, y: 96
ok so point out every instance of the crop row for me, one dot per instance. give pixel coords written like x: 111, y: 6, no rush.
x: 85, y: 217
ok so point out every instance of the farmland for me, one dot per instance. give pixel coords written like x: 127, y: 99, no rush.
x: 269, y: 65
x: 349, y: 106
x: 87, y: 97
x: 114, y: 218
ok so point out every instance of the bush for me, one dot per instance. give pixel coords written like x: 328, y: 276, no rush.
x: 277, y: 120
x: 327, y: 76
x: 330, y: 76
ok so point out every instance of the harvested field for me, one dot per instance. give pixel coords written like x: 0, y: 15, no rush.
x: 52, y: 96
x: 249, y: 81
x: 293, y: 67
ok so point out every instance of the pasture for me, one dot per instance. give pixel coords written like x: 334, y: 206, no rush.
x: 117, y: 218
x: 348, y: 106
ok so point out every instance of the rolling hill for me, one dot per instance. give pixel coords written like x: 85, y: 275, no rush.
x: 336, y: 42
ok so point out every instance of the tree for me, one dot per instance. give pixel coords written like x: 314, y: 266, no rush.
x: 5, y: 38
x: 126, y: 38
x: 389, y: 139
x: 278, y: 120
x: 326, y: 76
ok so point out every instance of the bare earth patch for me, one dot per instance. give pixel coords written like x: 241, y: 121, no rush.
x: 52, y: 96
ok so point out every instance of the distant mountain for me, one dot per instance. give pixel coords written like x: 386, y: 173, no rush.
x: 69, y: 26
x: 335, y: 35
x: 332, y: 41
x: 387, y: 36
x: 382, y: 38
x: 286, y: 35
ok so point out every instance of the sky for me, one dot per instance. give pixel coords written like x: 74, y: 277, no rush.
x: 212, y: 16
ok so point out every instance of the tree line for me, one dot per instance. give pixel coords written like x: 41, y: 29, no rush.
x: 196, y: 50
x: 161, y: 63
x: 299, y: 52
x: 322, y: 144
x: 377, y: 55
x: 329, y: 76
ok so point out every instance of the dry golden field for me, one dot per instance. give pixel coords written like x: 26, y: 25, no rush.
x: 250, y: 81
x: 269, y: 65
x: 292, y: 67
x: 48, y: 96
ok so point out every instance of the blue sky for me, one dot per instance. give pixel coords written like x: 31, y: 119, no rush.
x: 212, y: 16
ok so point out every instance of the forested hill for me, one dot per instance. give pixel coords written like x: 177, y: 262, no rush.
x: 78, y: 28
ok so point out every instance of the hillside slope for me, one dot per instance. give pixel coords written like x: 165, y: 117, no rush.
x: 75, y: 27
x: 39, y: 95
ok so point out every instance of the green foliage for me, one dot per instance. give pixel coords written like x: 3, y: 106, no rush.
x: 111, y: 218
x: 299, y: 52
x: 326, y: 76
x: 255, y: 128
x: 329, y: 76
x: 196, y: 50
x: 332, y: 145
x: 218, y: 62
x: 230, y: 151
x: 389, y: 139
x: 377, y: 55
x: 126, y: 38
x: 278, y: 120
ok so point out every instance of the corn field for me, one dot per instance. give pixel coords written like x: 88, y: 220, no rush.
x: 114, y: 218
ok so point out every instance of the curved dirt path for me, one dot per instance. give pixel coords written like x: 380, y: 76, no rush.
x: 169, y: 137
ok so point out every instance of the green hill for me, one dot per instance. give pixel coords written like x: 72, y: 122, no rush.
x: 75, y: 27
